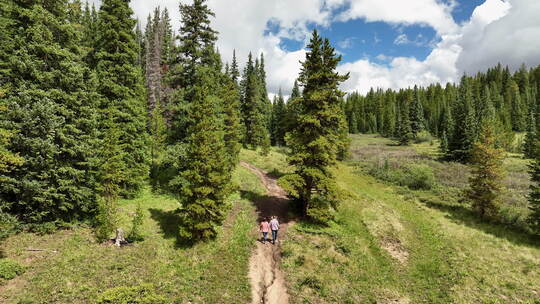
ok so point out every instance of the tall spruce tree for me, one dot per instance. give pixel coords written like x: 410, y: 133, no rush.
x: 315, y: 139
x: 122, y: 88
x: 204, y: 182
x: 404, y: 128
x: 292, y: 108
x: 278, y: 120
x: 50, y: 113
x: 465, y: 132
x: 112, y: 169
x: 253, y: 107
x: 235, y: 73
x: 416, y: 113
x: 487, y: 174
x: 534, y: 195
x: 196, y: 48
x: 230, y: 94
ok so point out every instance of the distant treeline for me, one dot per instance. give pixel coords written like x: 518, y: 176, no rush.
x: 453, y: 113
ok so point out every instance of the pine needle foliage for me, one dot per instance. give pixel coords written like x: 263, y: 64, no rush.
x: 485, y: 185
x: 122, y: 88
x: 315, y: 138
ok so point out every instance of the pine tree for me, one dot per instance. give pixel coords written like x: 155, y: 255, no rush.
x: 404, y: 123
x: 278, y: 120
x: 196, y: 48
x: 315, y: 139
x: 205, y: 183
x: 232, y: 122
x: 534, y: 195
x: 50, y: 115
x: 208, y: 100
x: 487, y: 174
x: 517, y: 107
x: 465, y: 132
x: 167, y: 40
x: 112, y: 175
x: 254, y: 107
x: 153, y: 60
x: 121, y: 85
x: 530, y: 137
x: 292, y: 108
x: 235, y: 73
x: 353, y: 124
x: 416, y: 114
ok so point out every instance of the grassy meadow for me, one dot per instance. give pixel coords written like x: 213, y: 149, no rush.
x: 402, y: 235
x: 81, y: 269
x: 395, y: 244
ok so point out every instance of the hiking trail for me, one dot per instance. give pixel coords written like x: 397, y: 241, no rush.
x: 267, y: 280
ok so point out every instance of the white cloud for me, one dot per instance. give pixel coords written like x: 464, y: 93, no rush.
x: 346, y: 43
x: 506, y: 32
x: 401, y: 39
x: 432, y: 13
x: 499, y: 30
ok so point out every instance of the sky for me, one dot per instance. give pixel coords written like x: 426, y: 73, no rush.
x: 384, y: 43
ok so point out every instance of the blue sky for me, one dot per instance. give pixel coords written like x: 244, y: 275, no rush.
x: 359, y: 39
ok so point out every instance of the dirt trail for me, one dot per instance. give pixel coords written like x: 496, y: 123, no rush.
x: 267, y: 280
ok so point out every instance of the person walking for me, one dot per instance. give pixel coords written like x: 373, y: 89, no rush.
x: 264, y: 227
x: 274, y: 225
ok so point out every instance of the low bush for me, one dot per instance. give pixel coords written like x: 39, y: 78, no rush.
x: 419, y: 177
x: 10, y: 269
x: 143, y: 294
x: 414, y: 176
x: 423, y: 137
x: 43, y: 228
x: 136, y: 234
x: 8, y: 225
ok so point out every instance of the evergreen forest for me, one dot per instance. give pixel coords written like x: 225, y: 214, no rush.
x: 146, y: 137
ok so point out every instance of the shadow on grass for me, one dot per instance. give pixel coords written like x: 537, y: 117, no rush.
x: 275, y: 174
x: 267, y: 206
x: 462, y: 215
x: 169, y: 222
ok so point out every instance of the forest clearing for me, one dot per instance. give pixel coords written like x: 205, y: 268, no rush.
x: 388, y: 244
x: 269, y: 152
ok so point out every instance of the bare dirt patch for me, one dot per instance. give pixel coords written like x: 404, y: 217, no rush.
x: 395, y: 249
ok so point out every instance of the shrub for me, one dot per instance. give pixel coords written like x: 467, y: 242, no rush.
x: 423, y: 137
x: 321, y: 210
x: 8, y: 225
x: 105, y: 219
x: 415, y: 176
x: 143, y: 294
x: 10, y: 269
x: 419, y: 177
x: 43, y: 228
x: 136, y: 234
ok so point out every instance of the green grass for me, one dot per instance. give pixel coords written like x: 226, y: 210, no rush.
x: 389, y: 244
x: 275, y: 163
x: 448, y: 255
x: 211, y: 272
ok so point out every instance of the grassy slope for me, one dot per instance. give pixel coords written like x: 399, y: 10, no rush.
x: 448, y: 255
x: 213, y: 272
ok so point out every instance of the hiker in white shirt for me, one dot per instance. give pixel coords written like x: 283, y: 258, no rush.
x: 274, y: 225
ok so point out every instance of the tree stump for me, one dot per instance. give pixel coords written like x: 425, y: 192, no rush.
x: 119, y: 239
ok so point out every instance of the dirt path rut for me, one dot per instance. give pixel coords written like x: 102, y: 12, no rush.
x: 267, y: 280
